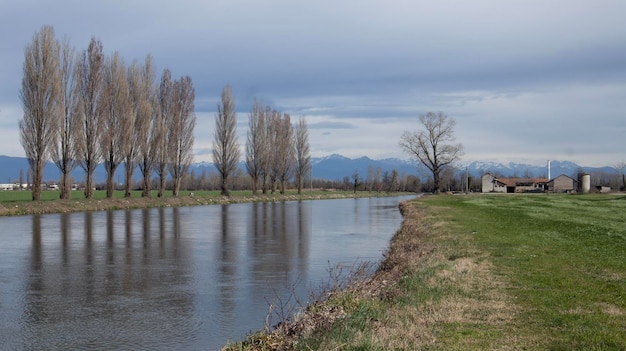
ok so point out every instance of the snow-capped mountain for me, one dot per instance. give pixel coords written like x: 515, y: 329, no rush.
x: 511, y: 169
x: 332, y: 167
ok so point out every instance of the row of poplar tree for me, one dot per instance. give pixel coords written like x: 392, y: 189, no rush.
x: 81, y: 110
x: 87, y: 108
x: 275, y: 150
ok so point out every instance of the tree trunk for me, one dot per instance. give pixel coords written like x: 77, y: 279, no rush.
x: 145, y: 187
x: 89, y: 185
x: 162, y: 181
x: 37, y: 180
x: 65, y: 185
x: 110, y: 185
x: 436, y: 182
x: 128, y: 183
x: 176, y: 187
x: 224, y: 186
x: 254, y: 185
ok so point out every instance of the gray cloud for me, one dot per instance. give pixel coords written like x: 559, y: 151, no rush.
x: 331, y: 125
x: 525, y: 79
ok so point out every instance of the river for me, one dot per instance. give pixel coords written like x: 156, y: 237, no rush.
x: 188, y: 278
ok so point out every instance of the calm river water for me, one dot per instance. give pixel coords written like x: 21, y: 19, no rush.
x: 189, y: 278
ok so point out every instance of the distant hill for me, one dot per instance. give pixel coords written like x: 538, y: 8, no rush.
x: 333, y: 167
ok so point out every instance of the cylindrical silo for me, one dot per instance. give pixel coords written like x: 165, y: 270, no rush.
x: 586, y: 183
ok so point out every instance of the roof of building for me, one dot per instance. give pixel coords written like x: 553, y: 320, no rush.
x: 514, y: 181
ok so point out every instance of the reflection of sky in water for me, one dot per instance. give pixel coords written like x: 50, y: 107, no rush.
x: 189, y: 278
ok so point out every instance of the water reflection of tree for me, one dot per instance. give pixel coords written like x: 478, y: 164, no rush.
x: 101, y: 288
x: 279, y: 239
x: 227, y: 277
x: 278, y: 248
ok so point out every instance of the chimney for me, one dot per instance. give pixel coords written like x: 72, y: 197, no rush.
x: 549, y: 178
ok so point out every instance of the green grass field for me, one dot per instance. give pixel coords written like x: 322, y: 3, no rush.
x: 48, y: 195
x: 498, y: 272
x: 561, y: 260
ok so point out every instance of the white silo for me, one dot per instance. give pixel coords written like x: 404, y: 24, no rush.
x: 585, y: 183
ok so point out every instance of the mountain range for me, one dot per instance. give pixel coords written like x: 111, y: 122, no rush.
x: 332, y: 167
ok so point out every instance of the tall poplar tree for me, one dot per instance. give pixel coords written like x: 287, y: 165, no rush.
x: 254, y: 144
x: 146, y: 110
x: 303, y: 153
x: 181, y: 131
x: 91, y: 87
x: 64, y: 149
x: 161, y: 129
x: 117, y: 126
x: 225, y: 145
x: 41, y: 97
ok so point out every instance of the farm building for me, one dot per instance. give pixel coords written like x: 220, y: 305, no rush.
x: 562, y: 184
x: 495, y: 184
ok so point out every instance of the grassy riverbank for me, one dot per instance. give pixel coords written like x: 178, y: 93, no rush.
x: 482, y: 272
x: 13, y: 203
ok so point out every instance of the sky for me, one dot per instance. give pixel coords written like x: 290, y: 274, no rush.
x: 526, y: 81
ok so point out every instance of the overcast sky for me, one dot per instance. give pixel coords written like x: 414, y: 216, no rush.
x: 526, y: 81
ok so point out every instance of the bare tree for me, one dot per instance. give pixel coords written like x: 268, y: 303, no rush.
x: 356, y: 180
x: 161, y: 134
x: 138, y: 104
x: 116, y: 118
x: 64, y: 149
x: 181, y: 130
x: 284, y: 152
x: 303, y: 154
x: 91, y: 87
x: 433, y: 146
x: 267, y: 175
x: 41, y: 97
x: 378, y: 182
x: 225, y: 146
x: 393, y: 181
x: 255, y: 144
x: 146, y: 110
x: 274, y: 124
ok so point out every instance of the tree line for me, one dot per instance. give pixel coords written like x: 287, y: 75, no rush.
x: 83, y: 109
x: 275, y: 150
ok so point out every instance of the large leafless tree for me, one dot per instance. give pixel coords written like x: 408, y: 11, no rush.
x: 225, y: 145
x: 91, y: 88
x: 255, y: 144
x: 181, y: 131
x: 303, y: 153
x: 64, y: 149
x: 117, y: 126
x: 146, y: 110
x: 41, y: 97
x: 433, y: 145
